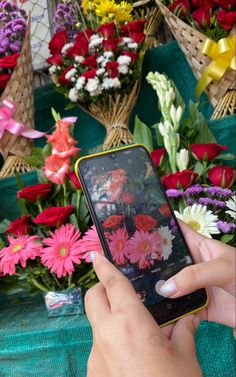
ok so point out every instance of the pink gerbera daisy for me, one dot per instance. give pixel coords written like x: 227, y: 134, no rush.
x: 141, y: 246
x: 90, y: 242
x: 63, y: 250
x: 117, y: 245
x: 19, y: 250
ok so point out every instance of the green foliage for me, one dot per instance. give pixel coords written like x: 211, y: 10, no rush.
x: 142, y: 134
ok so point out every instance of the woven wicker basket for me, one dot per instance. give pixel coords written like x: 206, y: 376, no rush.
x: 19, y: 90
x: 191, y: 42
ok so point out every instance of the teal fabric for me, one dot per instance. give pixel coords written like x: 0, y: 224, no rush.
x: 30, y: 343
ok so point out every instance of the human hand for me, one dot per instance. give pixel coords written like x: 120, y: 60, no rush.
x: 127, y: 341
x: 214, y: 269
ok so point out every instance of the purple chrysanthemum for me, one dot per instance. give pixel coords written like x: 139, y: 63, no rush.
x: 225, y: 227
x: 194, y: 190
x: 174, y: 193
x: 216, y: 190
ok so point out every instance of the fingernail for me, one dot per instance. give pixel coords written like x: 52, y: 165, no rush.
x: 92, y: 255
x: 168, y: 288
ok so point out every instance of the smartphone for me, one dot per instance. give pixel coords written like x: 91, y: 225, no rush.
x: 138, y: 230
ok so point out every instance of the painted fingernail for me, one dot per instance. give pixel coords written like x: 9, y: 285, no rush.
x: 92, y: 255
x: 168, y: 288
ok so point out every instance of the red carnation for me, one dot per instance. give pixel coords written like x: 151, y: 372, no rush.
x: 124, y: 31
x: 62, y: 78
x: 202, y: 16
x: 91, y: 61
x: 4, y: 80
x: 112, y: 69
x: 107, y: 30
x: 22, y: 225
x: 90, y: 74
x: 113, y: 221
x: 136, y: 26
x: 133, y: 55
x: 58, y: 40
x: 222, y: 176
x: 226, y: 19
x: 80, y: 48
x: 203, y: 3
x: 137, y: 37
x: 111, y: 44
x: 54, y: 216
x: 9, y: 61
x: 179, y: 180
x: 227, y: 4
x: 207, y: 152
x: 181, y: 7
x: 55, y: 59
x: 84, y: 35
x: 157, y: 155
x: 145, y: 222
x: 36, y: 192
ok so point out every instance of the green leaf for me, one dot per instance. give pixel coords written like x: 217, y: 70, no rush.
x: 227, y: 238
x: 198, y: 122
x: 47, y: 150
x: 226, y: 156
x: 73, y: 220
x: 199, y: 168
x: 41, y: 177
x: 34, y: 161
x: 70, y: 106
x: 142, y: 134
x: 159, y: 137
x: 4, y: 225
x: 55, y: 115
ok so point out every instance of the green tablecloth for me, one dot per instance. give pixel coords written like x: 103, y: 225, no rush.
x: 33, y: 345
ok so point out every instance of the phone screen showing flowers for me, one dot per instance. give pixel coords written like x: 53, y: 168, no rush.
x: 136, y: 225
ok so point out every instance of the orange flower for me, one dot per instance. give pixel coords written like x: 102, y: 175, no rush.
x: 63, y: 143
x: 56, y: 168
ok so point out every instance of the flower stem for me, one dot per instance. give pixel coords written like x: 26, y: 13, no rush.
x: 69, y: 280
x: 57, y: 281
x: 39, y: 285
x: 64, y: 193
x: 39, y: 206
x: 78, y: 203
x: 90, y: 272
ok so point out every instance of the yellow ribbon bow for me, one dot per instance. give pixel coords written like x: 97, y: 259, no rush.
x: 223, y: 56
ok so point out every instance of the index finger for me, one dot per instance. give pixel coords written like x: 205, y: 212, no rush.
x: 120, y: 292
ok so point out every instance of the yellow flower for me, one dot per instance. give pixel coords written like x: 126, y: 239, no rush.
x: 87, y: 6
x: 123, y: 12
x: 106, y: 9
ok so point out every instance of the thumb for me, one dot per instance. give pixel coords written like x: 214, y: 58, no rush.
x: 207, y: 274
x: 183, y: 336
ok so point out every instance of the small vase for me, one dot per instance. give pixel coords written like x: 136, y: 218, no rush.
x: 63, y: 303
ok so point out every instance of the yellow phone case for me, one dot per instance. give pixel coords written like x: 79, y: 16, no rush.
x: 128, y: 147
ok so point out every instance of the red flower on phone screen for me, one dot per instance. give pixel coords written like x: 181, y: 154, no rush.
x: 113, y: 221
x: 145, y: 222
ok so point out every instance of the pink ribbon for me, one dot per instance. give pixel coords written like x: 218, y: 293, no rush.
x: 69, y: 119
x: 7, y: 123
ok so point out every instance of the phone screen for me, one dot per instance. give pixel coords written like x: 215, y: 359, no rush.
x: 137, y: 227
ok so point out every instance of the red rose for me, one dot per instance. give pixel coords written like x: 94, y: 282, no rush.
x: 112, y: 69
x: 9, y: 61
x: 107, y: 30
x: 145, y: 222
x: 58, y: 41
x: 227, y: 4
x: 136, y: 26
x: 90, y: 74
x: 113, y: 221
x: 111, y: 44
x: 4, y: 80
x: 124, y: 31
x: 180, y: 7
x: 226, y: 19
x: 179, y: 180
x: 74, y: 180
x: 36, y: 192
x: 91, y: 61
x: 133, y: 55
x: 80, y: 48
x: 222, y: 176
x: 127, y: 197
x: 84, y: 35
x: 157, y: 155
x: 62, y: 78
x: 207, y: 152
x: 137, y: 37
x: 202, y: 16
x: 22, y: 225
x: 55, y: 59
x: 203, y: 3
x: 54, y: 216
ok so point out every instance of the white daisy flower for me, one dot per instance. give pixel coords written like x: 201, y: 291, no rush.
x: 124, y: 60
x: 231, y: 205
x: 66, y: 47
x: 80, y: 83
x: 73, y: 95
x: 167, y: 238
x: 199, y: 218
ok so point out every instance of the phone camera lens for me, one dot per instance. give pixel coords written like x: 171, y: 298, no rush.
x: 169, y: 306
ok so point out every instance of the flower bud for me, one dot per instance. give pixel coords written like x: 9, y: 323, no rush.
x: 179, y: 113
x: 182, y: 159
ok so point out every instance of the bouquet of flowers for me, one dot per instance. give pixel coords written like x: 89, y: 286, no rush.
x: 47, y: 248
x: 205, y: 32
x: 98, y: 66
x: 200, y: 188
x: 13, y: 26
